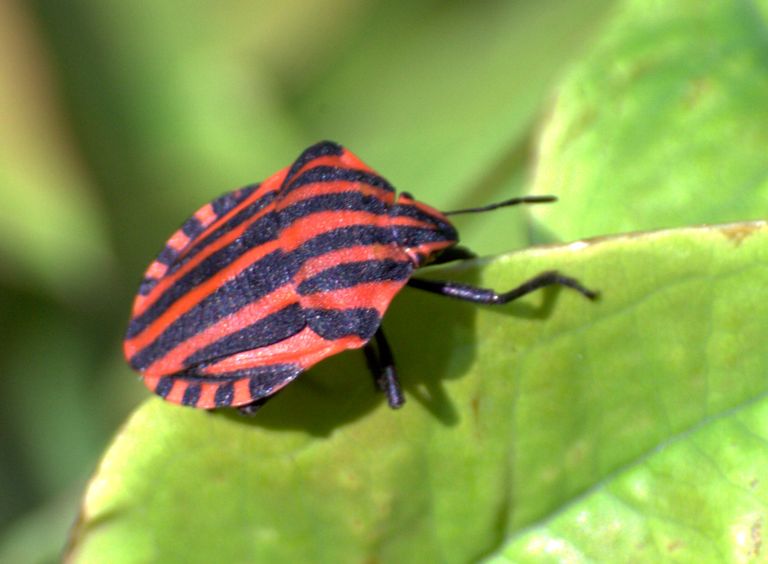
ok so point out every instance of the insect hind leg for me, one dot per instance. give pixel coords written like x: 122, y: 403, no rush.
x: 382, y: 367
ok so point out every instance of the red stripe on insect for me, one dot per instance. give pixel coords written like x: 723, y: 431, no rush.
x: 403, y: 221
x: 140, y: 306
x: 206, y: 216
x: 241, y: 393
x: 271, y: 184
x: 314, y: 348
x: 151, y: 381
x: 309, y: 227
x: 346, y: 160
x: 376, y: 295
x: 341, y: 256
x: 195, y: 296
x: 328, y: 188
x: 156, y: 270
x: 207, y: 395
x: 173, y: 360
x: 194, y: 262
x: 350, y: 160
x: 176, y: 394
x: 178, y: 241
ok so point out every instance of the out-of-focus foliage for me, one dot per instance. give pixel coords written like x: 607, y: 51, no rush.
x: 120, y: 118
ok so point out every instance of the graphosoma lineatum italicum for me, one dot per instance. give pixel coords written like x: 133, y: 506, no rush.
x: 266, y: 281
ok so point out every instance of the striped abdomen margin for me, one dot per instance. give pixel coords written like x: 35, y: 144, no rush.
x: 264, y: 282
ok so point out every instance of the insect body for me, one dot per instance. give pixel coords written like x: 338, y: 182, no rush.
x: 266, y: 281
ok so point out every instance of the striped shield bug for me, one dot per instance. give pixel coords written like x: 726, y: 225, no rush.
x: 266, y: 281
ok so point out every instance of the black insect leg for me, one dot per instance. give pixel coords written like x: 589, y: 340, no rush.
x: 251, y: 408
x: 382, y: 367
x: 452, y: 254
x: 474, y: 294
x: 374, y: 366
x: 390, y: 382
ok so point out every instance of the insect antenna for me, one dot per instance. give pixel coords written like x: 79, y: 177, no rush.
x: 505, y: 203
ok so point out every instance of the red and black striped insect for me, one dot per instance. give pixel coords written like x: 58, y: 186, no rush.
x: 266, y: 281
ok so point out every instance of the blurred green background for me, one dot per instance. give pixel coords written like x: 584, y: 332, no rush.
x: 120, y: 118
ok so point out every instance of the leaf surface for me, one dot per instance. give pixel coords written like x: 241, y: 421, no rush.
x: 529, y: 415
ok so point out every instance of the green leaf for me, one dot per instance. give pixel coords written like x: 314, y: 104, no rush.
x: 700, y: 497
x: 516, y: 416
x: 666, y: 118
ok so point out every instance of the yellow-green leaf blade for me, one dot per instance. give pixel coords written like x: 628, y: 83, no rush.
x: 514, y: 413
x: 662, y: 124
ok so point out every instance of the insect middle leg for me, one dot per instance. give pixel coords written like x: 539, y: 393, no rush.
x: 452, y: 254
x: 470, y: 293
x: 382, y: 367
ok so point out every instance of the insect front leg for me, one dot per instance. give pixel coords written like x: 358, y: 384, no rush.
x: 470, y: 293
x: 382, y: 367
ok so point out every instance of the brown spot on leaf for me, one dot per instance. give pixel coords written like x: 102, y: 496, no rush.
x: 475, y: 405
x: 674, y: 545
x: 757, y: 537
x: 737, y: 232
x: 697, y: 92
